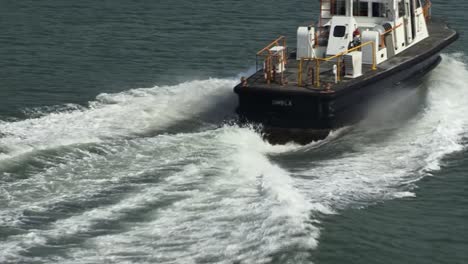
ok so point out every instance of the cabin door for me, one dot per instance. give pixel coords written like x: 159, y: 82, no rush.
x: 341, y: 34
x: 419, y: 17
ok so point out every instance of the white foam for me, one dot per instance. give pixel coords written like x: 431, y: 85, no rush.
x: 113, y: 116
x: 385, y: 169
x: 82, y: 174
x: 10, y: 251
x: 404, y: 195
x: 246, y: 208
x: 85, y: 188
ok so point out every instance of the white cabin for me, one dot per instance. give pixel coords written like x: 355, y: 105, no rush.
x: 392, y: 25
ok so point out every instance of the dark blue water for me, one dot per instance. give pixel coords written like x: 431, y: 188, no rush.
x: 113, y: 148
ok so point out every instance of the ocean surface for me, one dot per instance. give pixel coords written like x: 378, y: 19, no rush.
x: 116, y: 145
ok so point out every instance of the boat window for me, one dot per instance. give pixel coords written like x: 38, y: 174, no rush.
x: 418, y: 3
x: 339, y: 7
x: 360, y: 8
x: 378, y: 10
x: 401, y: 8
x: 339, y: 31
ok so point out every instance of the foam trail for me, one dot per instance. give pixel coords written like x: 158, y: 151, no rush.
x: 251, y: 205
x: 90, y: 177
x: 113, y: 116
x: 388, y: 167
x: 249, y: 211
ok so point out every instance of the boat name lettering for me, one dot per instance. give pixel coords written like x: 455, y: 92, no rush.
x: 282, y: 102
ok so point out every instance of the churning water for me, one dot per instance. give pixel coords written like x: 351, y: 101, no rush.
x: 157, y: 175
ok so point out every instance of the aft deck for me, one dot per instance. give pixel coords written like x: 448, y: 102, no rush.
x: 288, y: 81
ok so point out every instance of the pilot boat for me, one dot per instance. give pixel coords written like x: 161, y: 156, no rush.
x: 358, y: 50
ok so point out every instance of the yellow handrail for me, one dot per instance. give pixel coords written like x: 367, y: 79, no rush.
x: 382, y: 36
x: 272, y: 44
x: 270, y: 58
x: 319, y: 60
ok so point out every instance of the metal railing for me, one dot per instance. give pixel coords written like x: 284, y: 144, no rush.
x: 271, y: 59
x: 382, y: 36
x: 318, y: 61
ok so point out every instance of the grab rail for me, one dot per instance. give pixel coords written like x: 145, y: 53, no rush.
x: 269, y: 59
x: 319, y: 60
x: 275, y: 42
x: 382, y: 36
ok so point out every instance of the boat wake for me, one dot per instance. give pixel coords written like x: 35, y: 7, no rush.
x: 123, y: 181
x: 133, y: 113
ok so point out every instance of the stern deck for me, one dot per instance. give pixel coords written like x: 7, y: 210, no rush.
x: 439, y: 37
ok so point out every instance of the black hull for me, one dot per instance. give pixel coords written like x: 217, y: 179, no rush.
x: 302, y: 115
